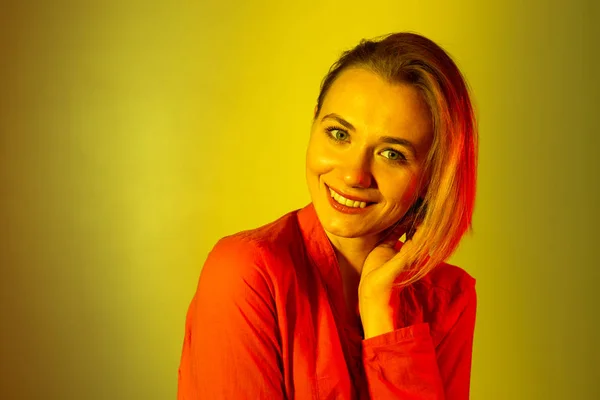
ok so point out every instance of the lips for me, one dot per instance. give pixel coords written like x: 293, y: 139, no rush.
x: 346, y: 203
x: 348, y: 196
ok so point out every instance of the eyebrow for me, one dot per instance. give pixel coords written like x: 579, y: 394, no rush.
x: 340, y: 120
x: 384, y: 139
x: 399, y: 141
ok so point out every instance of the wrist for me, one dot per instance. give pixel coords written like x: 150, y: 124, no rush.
x: 377, y: 319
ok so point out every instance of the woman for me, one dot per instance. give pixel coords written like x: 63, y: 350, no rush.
x: 327, y: 302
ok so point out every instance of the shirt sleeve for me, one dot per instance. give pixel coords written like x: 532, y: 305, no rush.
x: 402, y: 365
x: 405, y: 363
x: 230, y: 349
x: 455, y: 350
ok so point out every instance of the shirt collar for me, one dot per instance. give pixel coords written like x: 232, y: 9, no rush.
x: 322, y: 256
x: 317, y: 244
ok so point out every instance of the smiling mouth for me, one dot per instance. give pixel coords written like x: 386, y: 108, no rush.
x: 339, y: 199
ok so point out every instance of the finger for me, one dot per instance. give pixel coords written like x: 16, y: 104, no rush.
x: 394, y: 265
x: 414, y: 233
x: 415, y: 244
x: 396, y: 262
x: 393, y: 235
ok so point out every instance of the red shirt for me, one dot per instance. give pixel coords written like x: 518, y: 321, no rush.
x: 269, y: 321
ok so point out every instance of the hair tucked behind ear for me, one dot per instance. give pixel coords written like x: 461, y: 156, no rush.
x: 444, y: 213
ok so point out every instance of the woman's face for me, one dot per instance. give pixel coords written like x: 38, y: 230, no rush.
x: 368, y: 144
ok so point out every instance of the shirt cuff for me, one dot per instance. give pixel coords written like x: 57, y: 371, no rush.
x: 406, y: 334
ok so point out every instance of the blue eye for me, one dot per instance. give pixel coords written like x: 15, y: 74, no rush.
x: 393, y: 155
x: 337, y: 134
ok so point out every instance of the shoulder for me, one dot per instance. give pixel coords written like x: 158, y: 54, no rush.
x: 454, y: 282
x: 253, y: 254
x: 266, y: 241
x: 271, y: 236
x: 441, y: 298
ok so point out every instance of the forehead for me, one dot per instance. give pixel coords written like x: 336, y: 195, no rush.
x: 374, y: 105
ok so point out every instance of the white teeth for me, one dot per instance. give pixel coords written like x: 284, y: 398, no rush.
x: 347, y: 202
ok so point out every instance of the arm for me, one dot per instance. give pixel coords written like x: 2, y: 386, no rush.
x: 405, y: 364
x: 454, y: 352
x: 231, y: 350
x: 402, y: 365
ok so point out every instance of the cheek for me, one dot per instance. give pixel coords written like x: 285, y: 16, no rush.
x: 318, y: 159
x: 401, y: 190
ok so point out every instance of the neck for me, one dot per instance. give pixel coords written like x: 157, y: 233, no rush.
x: 352, y: 252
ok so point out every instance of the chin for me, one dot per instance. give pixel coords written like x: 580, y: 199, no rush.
x: 344, y: 232
x: 339, y: 225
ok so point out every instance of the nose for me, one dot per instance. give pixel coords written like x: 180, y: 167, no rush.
x: 357, y: 173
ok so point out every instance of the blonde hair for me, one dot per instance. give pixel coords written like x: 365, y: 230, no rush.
x: 444, y: 214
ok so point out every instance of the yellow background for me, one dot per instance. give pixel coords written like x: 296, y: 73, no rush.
x: 133, y: 135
